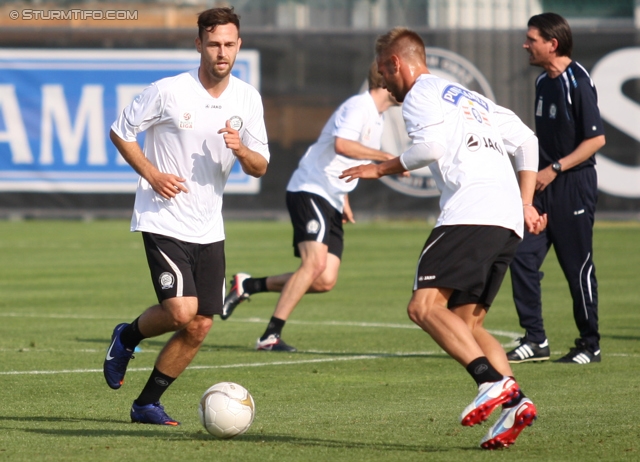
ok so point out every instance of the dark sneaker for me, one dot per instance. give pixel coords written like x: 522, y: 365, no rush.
x: 580, y: 354
x: 117, y: 359
x: 529, y: 351
x: 511, y: 422
x: 236, y: 295
x: 151, y: 414
x: 490, y: 396
x: 274, y: 343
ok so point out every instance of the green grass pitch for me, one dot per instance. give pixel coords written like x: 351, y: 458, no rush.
x: 366, y: 384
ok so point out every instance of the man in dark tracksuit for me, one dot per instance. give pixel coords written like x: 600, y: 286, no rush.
x: 570, y: 132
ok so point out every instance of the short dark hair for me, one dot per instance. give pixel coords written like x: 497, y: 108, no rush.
x: 210, y: 19
x: 554, y: 26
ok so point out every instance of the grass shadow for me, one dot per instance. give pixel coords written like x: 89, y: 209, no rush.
x: 174, y: 434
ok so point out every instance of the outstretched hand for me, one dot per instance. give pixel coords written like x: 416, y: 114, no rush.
x: 367, y: 171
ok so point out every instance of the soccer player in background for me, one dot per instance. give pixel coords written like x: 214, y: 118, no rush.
x: 570, y: 132
x: 318, y: 204
x: 198, y: 123
x: 465, y: 139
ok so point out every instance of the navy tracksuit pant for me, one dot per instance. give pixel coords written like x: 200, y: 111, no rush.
x: 569, y: 202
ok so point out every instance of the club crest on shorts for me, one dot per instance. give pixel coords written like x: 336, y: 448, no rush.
x: 313, y: 227
x: 166, y: 280
x: 235, y: 122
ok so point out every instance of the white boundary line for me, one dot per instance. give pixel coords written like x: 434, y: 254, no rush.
x: 231, y: 366
x: 381, y: 355
x: 511, y: 335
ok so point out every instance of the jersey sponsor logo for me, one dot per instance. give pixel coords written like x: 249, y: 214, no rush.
x: 187, y: 118
x: 313, y: 226
x: 212, y: 106
x: 235, y: 122
x: 453, y: 94
x: 473, y: 142
x: 539, y: 108
x: 166, y: 280
x: 448, y: 65
x: 492, y: 144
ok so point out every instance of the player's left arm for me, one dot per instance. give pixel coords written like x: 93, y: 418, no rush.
x: 534, y: 222
x: 526, y: 160
x: 252, y: 162
x: 356, y: 150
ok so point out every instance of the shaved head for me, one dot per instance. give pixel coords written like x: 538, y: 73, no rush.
x: 401, y: 60
x: 401, y: 42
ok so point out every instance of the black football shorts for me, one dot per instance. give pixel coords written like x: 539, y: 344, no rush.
x: 315, y: 219
x: 185, y: 269
x: 471, y: 260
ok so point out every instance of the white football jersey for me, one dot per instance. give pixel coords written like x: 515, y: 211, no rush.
x: 182, y: 120
x: 475, y: 176
x: 357, y: 119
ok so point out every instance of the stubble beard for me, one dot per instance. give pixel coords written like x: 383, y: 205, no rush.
x: 220, y: 75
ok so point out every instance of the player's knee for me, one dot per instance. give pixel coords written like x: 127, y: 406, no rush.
x: 323, y: 285
x: 422, y: 312
x: 318, y: 268
x: 180, y: 321
x: 417, y: 312
x: 198, y: 328
x: 182, y: 311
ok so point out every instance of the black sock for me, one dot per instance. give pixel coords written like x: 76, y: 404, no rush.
x: 155, y: 387
x: 275, y: 327
x: 482, y: 371
x: 131, y: 336
x: 255, y: 285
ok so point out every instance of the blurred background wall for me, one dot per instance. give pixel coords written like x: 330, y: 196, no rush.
x: 314, y: 54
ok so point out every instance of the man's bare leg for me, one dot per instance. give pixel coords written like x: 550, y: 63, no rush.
x: 428, y: 309
x: 473, y: 315
x: 323, y: 283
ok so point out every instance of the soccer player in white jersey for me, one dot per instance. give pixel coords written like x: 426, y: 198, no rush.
x: 465, y: 139
x: 197, y: 125
x: 318, y: 204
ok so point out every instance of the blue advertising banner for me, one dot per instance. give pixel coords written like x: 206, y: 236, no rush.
x: 57, y: 106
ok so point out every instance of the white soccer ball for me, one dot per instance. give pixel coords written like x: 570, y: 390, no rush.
x: 226, y: 410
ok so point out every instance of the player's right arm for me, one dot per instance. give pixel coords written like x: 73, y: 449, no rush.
x: 165, y: 184
x: 373, y: 171
x: 144, y: 111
